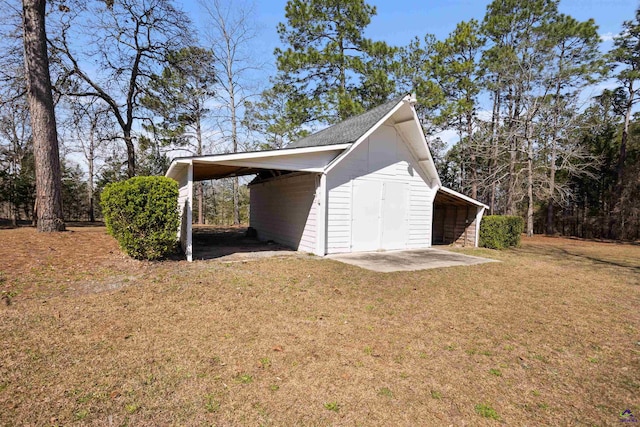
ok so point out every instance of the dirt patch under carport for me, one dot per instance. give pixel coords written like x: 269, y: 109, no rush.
x: 233, y: 244
x: 408, y: 260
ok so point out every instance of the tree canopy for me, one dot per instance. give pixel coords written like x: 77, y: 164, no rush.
x: 509, y: 102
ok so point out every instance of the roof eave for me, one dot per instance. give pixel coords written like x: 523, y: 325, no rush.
x: 171, y: 172
x: 462, y: 196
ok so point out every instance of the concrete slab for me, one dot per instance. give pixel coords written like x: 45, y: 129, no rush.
x: 409, y: 260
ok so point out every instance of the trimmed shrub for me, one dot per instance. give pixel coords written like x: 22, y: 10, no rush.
x: 142, y: 214
x: 501, y: 231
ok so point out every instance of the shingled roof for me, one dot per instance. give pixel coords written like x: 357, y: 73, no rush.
x: 349, y: 130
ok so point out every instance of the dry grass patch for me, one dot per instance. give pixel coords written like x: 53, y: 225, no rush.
x: 548, y: 336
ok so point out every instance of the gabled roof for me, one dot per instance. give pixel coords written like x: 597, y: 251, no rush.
x: 349, y: 130
x: 321, y: 151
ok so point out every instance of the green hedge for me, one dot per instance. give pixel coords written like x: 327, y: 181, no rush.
x: 501, y: 231
x: 142, y: 214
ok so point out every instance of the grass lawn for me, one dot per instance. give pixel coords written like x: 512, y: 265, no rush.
x: 548, y: 336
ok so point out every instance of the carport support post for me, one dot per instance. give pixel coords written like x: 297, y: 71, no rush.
x: 189, y: 246
x: 321, y: 231
x: 479, y: 214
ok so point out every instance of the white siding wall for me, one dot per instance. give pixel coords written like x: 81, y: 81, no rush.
x: 284, y: 210
x: 382, y: 157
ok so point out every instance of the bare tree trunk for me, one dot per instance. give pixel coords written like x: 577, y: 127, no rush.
x: 131, y: 153
x: 622, y: 158
x: 43, y: 120
x: 92, y: 214
x: 552, y: 162
x: 15, y: 211
x: 495, y: 117
x: 234, y: 142
x: 472, y: 157
x: 343, y: 80
x: 236, y: 201
x: 511, y: 204
x: 529, y: 183
x: 200, y: 187
x: 231, y: 30
x: 552, y: 188
x: 625, y: 137
x: 90, y: 155
x: 513, y: 157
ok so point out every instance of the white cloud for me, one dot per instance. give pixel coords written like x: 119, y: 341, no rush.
x: 449, y: 136
x: 607, y: 37
x: 485, y: 115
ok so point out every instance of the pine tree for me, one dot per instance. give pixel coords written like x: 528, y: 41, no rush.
x: 329, y: 61
x: 459, y: 74
x: 574, y: 61
x: 178, y: 96
x: 43, y: 120
x: 272, y: 118
x: 626, y: 54
x: 514, y: 64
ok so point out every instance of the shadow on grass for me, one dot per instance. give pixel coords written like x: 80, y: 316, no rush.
x: 562, y: 253
x: 83, y: 224
x: 6, y: 224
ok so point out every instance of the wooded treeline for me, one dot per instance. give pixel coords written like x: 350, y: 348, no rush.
x: 544, y: 118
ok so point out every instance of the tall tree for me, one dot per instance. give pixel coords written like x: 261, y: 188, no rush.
x: 93, y: 130
x: 43, y: 120
x: 415, y: 72
x: 376, y: 84
x: 594, y: 192
x: 626, y: 55
x: 273, y: 119
x: 493, y: 83
x: 16, y: 152
x: 179, y: 96
x: 513, y: 63
x: 229, y: 33
x: 459, y: 73
x: 128, y: 41
x: 573, y: 62
x: 327, y: 58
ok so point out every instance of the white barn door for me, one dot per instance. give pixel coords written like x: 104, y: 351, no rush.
x: 379, y: 215
x: 365, y: 215
x: 395, y: 218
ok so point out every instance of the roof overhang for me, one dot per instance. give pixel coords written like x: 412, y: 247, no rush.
x: 450, y: 196
x: 405, y: 120
x: 306, y: 159
x: 412, y: 131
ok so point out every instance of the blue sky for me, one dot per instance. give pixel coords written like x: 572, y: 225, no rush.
x: 398, y: 21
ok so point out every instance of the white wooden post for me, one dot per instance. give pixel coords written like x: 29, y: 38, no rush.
x: 189, y: 202
x: 321, y: 230
x: 479, y: 214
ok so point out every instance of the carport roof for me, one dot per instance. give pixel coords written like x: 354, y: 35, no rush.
x: 452, y: 197
x: 304, y: 159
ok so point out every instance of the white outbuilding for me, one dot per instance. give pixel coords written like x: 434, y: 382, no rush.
x: 365, y: 184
